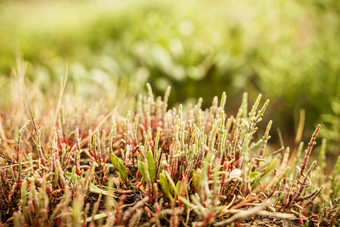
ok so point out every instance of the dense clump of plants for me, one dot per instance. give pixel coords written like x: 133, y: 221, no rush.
x: 162, y: 167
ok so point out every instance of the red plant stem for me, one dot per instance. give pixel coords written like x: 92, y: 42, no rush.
x: 309, y: 150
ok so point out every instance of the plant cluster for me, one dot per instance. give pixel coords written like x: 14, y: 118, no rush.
x: 230, y: 45
x: 160, y: 166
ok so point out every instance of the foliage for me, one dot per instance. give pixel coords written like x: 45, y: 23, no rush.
x: 159, y: 166
x: 281, y: 49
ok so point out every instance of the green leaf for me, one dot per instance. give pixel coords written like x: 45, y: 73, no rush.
x: 252, y: 176
x: 141, y: 168
x: 270, y: 167
x: 266, y: 170
x: 93, y: 188
x: 172, y: 183
x: 119, y: 166
x: 151, y: 166
x: 165, y: 185
x: 119, y: 175
x: 114, y: 160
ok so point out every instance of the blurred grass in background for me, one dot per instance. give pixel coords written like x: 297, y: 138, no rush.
x: 287, y: 50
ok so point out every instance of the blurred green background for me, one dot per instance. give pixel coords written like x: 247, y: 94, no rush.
x: 285, y: 49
